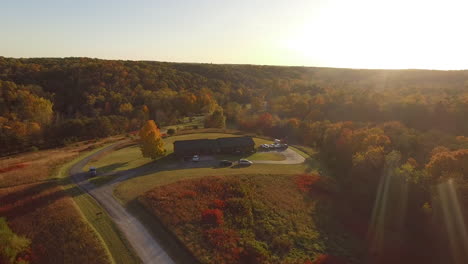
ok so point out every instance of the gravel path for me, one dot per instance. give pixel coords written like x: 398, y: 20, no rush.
x: 292, y: 157
x: 148, y: 249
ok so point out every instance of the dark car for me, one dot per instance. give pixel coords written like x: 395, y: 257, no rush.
x: 92, y: 171
x: 225, y: 163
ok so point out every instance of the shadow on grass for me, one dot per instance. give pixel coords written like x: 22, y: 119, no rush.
x: 112, y: 167
x: 335, y: 238
x: 31, y: 197
x: 168, y: 240
x: 312, y: 164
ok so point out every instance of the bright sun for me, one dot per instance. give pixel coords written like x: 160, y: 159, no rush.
x: 385, y: 34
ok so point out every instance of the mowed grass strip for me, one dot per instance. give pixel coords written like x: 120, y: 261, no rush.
x: 274, y: 156
x: 111, y: 237
x: 132, y: 188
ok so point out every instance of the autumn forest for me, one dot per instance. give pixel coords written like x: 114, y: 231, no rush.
x: 392, y: 143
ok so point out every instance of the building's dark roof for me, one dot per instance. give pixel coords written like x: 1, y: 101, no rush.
x: 212, y: 144
x: 230, y: 142
x: 195, y: 144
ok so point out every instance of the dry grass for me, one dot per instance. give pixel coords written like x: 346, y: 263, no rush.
x: 47, y: 215
x: 38, y: 166
x: 40, y: 208
x: 263, y: 219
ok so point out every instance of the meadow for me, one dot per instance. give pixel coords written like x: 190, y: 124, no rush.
x: 63, y: 224
x: 253, y: 219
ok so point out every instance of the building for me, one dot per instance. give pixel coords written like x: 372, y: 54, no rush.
x: 214, y: 146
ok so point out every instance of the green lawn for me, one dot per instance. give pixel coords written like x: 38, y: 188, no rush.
x: 275, y: 156
x: 130, y: 157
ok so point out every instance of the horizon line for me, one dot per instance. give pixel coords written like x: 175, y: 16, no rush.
x: 236, y: 64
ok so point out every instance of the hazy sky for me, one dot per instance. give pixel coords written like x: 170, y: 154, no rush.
x: 334, y: 33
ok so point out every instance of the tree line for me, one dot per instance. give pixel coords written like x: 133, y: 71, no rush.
x: 404, y: 129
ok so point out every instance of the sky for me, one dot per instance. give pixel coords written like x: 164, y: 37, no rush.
x: 390, y: 34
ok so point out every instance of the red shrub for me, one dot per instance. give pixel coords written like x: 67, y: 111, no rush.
x: 13, y: 167
x: 222, y: 238
x: 225, y: 242
x: 305, y: 181
x: 212, y: 217
x: 187, y: 194
x: 327, y: 259
x: 315, y: 184
x: 220, y: 204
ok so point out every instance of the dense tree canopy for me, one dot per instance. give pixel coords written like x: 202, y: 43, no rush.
x: 401, y: 131
x: 49, y: 96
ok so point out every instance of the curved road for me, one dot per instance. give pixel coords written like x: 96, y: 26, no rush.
x: 144, y: 245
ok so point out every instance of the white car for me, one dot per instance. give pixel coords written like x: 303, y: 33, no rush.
x: 195, y: 158
x: 245, y: 162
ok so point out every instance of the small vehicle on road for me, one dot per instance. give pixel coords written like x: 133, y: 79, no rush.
x: 245, y: 162
x: 92, y: 171
x: 225, y: 163
x: 196, y: 158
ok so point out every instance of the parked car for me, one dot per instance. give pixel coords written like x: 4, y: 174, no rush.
x: 264, y: 146
x: 278, y: 146
x: 93, y: 171
x: 245, y: 162
x: 196, y: 158
x: 225, y: 163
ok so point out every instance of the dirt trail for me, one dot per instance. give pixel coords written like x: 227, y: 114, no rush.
x: 145, y: 246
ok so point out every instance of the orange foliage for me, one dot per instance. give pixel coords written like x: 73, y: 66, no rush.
x: 448, y: 164
x: 305, y: 181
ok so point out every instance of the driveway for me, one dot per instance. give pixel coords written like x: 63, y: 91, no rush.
x: 144, y: 245
x: 291, y: 157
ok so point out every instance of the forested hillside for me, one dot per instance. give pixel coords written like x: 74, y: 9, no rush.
x: 394, y: 140
x: 49, y: 102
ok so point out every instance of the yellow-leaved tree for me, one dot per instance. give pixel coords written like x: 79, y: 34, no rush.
x: 151, y: 145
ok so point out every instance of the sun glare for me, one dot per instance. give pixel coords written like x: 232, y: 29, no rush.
x: 390, y: 34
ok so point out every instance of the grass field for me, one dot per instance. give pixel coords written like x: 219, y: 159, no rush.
x: 252, y: 219
x: 129, y: 157
x: 41, y: 206
x: 274, y: 156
